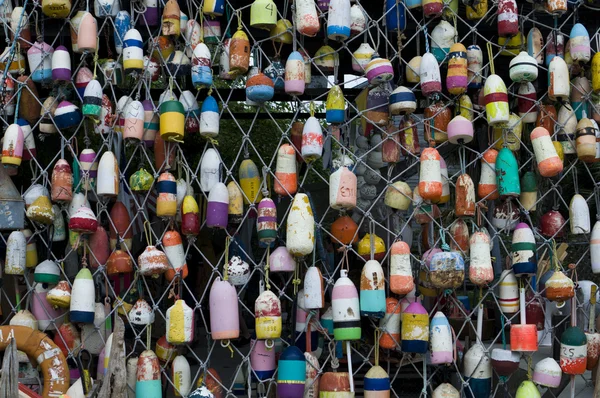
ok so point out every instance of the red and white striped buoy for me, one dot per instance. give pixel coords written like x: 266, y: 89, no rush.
x: 549, y: 164
x: 430, y: 175
x: 487, y: 187
x: 481, y: 271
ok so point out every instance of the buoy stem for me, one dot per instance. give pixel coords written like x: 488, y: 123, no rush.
x: 349, y: 354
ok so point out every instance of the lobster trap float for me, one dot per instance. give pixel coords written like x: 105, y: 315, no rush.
x: 299, y: 199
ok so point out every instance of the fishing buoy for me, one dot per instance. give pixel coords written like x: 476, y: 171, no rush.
x: 166, y: 203
x: 259, y: 88
x: 16, y: 254
x: 338, y: 20
x: 39, y: 57
x: 250, y: 182
x: 173, y: 247
x: 496, y: 101
x: 61, y: 64
x: 67, y: 115
x: 281, y: 260
x: 312, y: 140
x: 523, y: 251
x: 267, y: 312
x: 92, y: 100
x: 559, y: 288
x: 12, y: 145
x: 401, y: 277
x: 31, y: 255
x: 523, y: 337
x: 508, y: 292
x: 266, y: 226
x: 376, y: 383
x: 300, y: 227
x: 182, y: 376
x: 379, y: 70
x: 361, y: 57
x: 180, y: 323
x: 442, y: 351
x: 346, y: 309
x: 442, y: 38
x: 263, y: 14
x: 402, y: 101
x: 108, y: 175
x: 224, y: 317
x: 344, y: 230
x: 465, y: 196
x: 148, y: 382
x: 477, y: 369
x: 429, y: 75
x: 335, y: 106
x: 415, y: 329
x: 342, y: 189
x: 573, y: 351
x: 291, y: 374
x: 581, y: 90
x: 585, y: 141
x: 120, y: 229
x: 579, y: 215
x: 456, y: 79
x: 445, y: 390
x: 314, y: 292
x: 481, y: 271
x: 528, y: 198
x: 262, y: 360
x: 152, y: 261
x: 505, y: 362
x: 294, y: 74
x: 487, y: 187
x: 172, y: 120
x: 239, y: 53
x: 335, y: 384
x: 398, y: 195
x: 558, y: 72
x: 83, y: 221
x: 210, y: 170
x: 372, y: 290
x: 437, y: 118
x: 526, y: 103
x: 474, y: 66
x: 218, y: 205
x: 390, y: 324
x: 507, y: 174
x: 82, y: 308
x: 547, y: 373
x: 508, y: 18
x: 307, y: 20
x: 236, y: 203
x: 430, y: 177
x: 286, y: 179
x: 523, y: 68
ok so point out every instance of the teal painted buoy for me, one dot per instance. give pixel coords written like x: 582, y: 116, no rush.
x: 507, y: 174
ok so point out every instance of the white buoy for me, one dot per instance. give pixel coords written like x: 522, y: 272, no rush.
x: 300, y: 227
x: 342, y: 189
x: 440, y: 337
x: 107, y: 183
x: 595, y: 248
x: 312, y: 140
x: 210, y: 169
x: 314, y: 293
x: 579, y: 215
x: 481, y: 271
x: 83, y: 298
x: 559, y: 88
x: 16, y: 253
x: 181, y: 375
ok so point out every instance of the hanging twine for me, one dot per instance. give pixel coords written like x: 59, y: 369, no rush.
x: 491, y: 57
x: 296, y: 281
x: 376, y: 345
x: 226, y: 265
x: 267, y: 284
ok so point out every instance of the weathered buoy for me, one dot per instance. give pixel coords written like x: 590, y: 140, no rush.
x: 218, y: 205
x: 547, y: 373
x: 558, y: 72
x: 267, y: 313
x: 529, y: 188
x: 379, y: 70
x: 262, y: 360
x: 526, y: 103
x: 507, y: 174
x: 579, y: 215
x: 376, y: 383
x: 430, y: 176
x: 508, y: 296
x: 559, y: 288
x: 442, y: 38
x: 508, y: 18
x: 300, y: 227
x: 176, y: 255
x: 180, y: 323
x: 210, y: 170
x: 585, y: 141
x: 442, y: 351
x: 67, y: 115
x: 338, y: 20
x: 487, y: 187
x: 307, y: 20
x: 429, y: 75
x: 505, y: 362
x: 281, y: 260
x: 372, y: 290
x: 82, y: 308
x: 314, y: 291
x: 291, y: 374
x: 477, y: 369
x: 481, y: 271
x: 523, y: 68
x: 496, y: 101
x: 523, y: 251
x: 108, y: 175
x: 148, y: 382
x: 346, y: 309
x: 390, y: 324
x: 286, y: 179
x: 415, y: 329
x: 573, y: 351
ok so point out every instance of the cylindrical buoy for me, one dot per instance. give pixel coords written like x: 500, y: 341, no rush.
x: 442, y: 351
x: 174, y: 250
x: 390, y: 324
x: 415, y: 329
x: 508, y: 18
x: 346, y: 309
x: 267, y: 313
x: 300, y: 227
x: 108, y: 175
x: 573, y: 351
x: 585, y: 140
x: 83, y: 298
x: 478, y: 372
x: 526, y: 103
x: 505, y: 362
x: 250, y: 181
x: 266, y: 226
x: 401, y: 277
x: 281, y: 260
x: 523, y: 250
x: 456, y: 79
x: 262, y: 360
x: 430, y: 177
x: 218, y: 206
x: 487, y: 188
x: 314, y: 293
x: 376, y: 383
x: 224, y: 317
x: 559, y: 88
x: 181, y: 375
x: 429, y: 75
x: 148, y: 382
x: 507, y: 174
x: 307, y: 20
x: 286, y: 179
x: 210, y: 170
x: 180, y: 323
x: 335, y: 384
x: 465, y: 196
x: 496, y: 100
x: 372, y: 290
x: 338, y: 20
x: 523, y: 337
x: 342, y: 189
x: 579, y: 215
x: 481, y: 271
x: 508, y: 296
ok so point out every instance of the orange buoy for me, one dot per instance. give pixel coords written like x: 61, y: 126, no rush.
x: 430, y: 175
